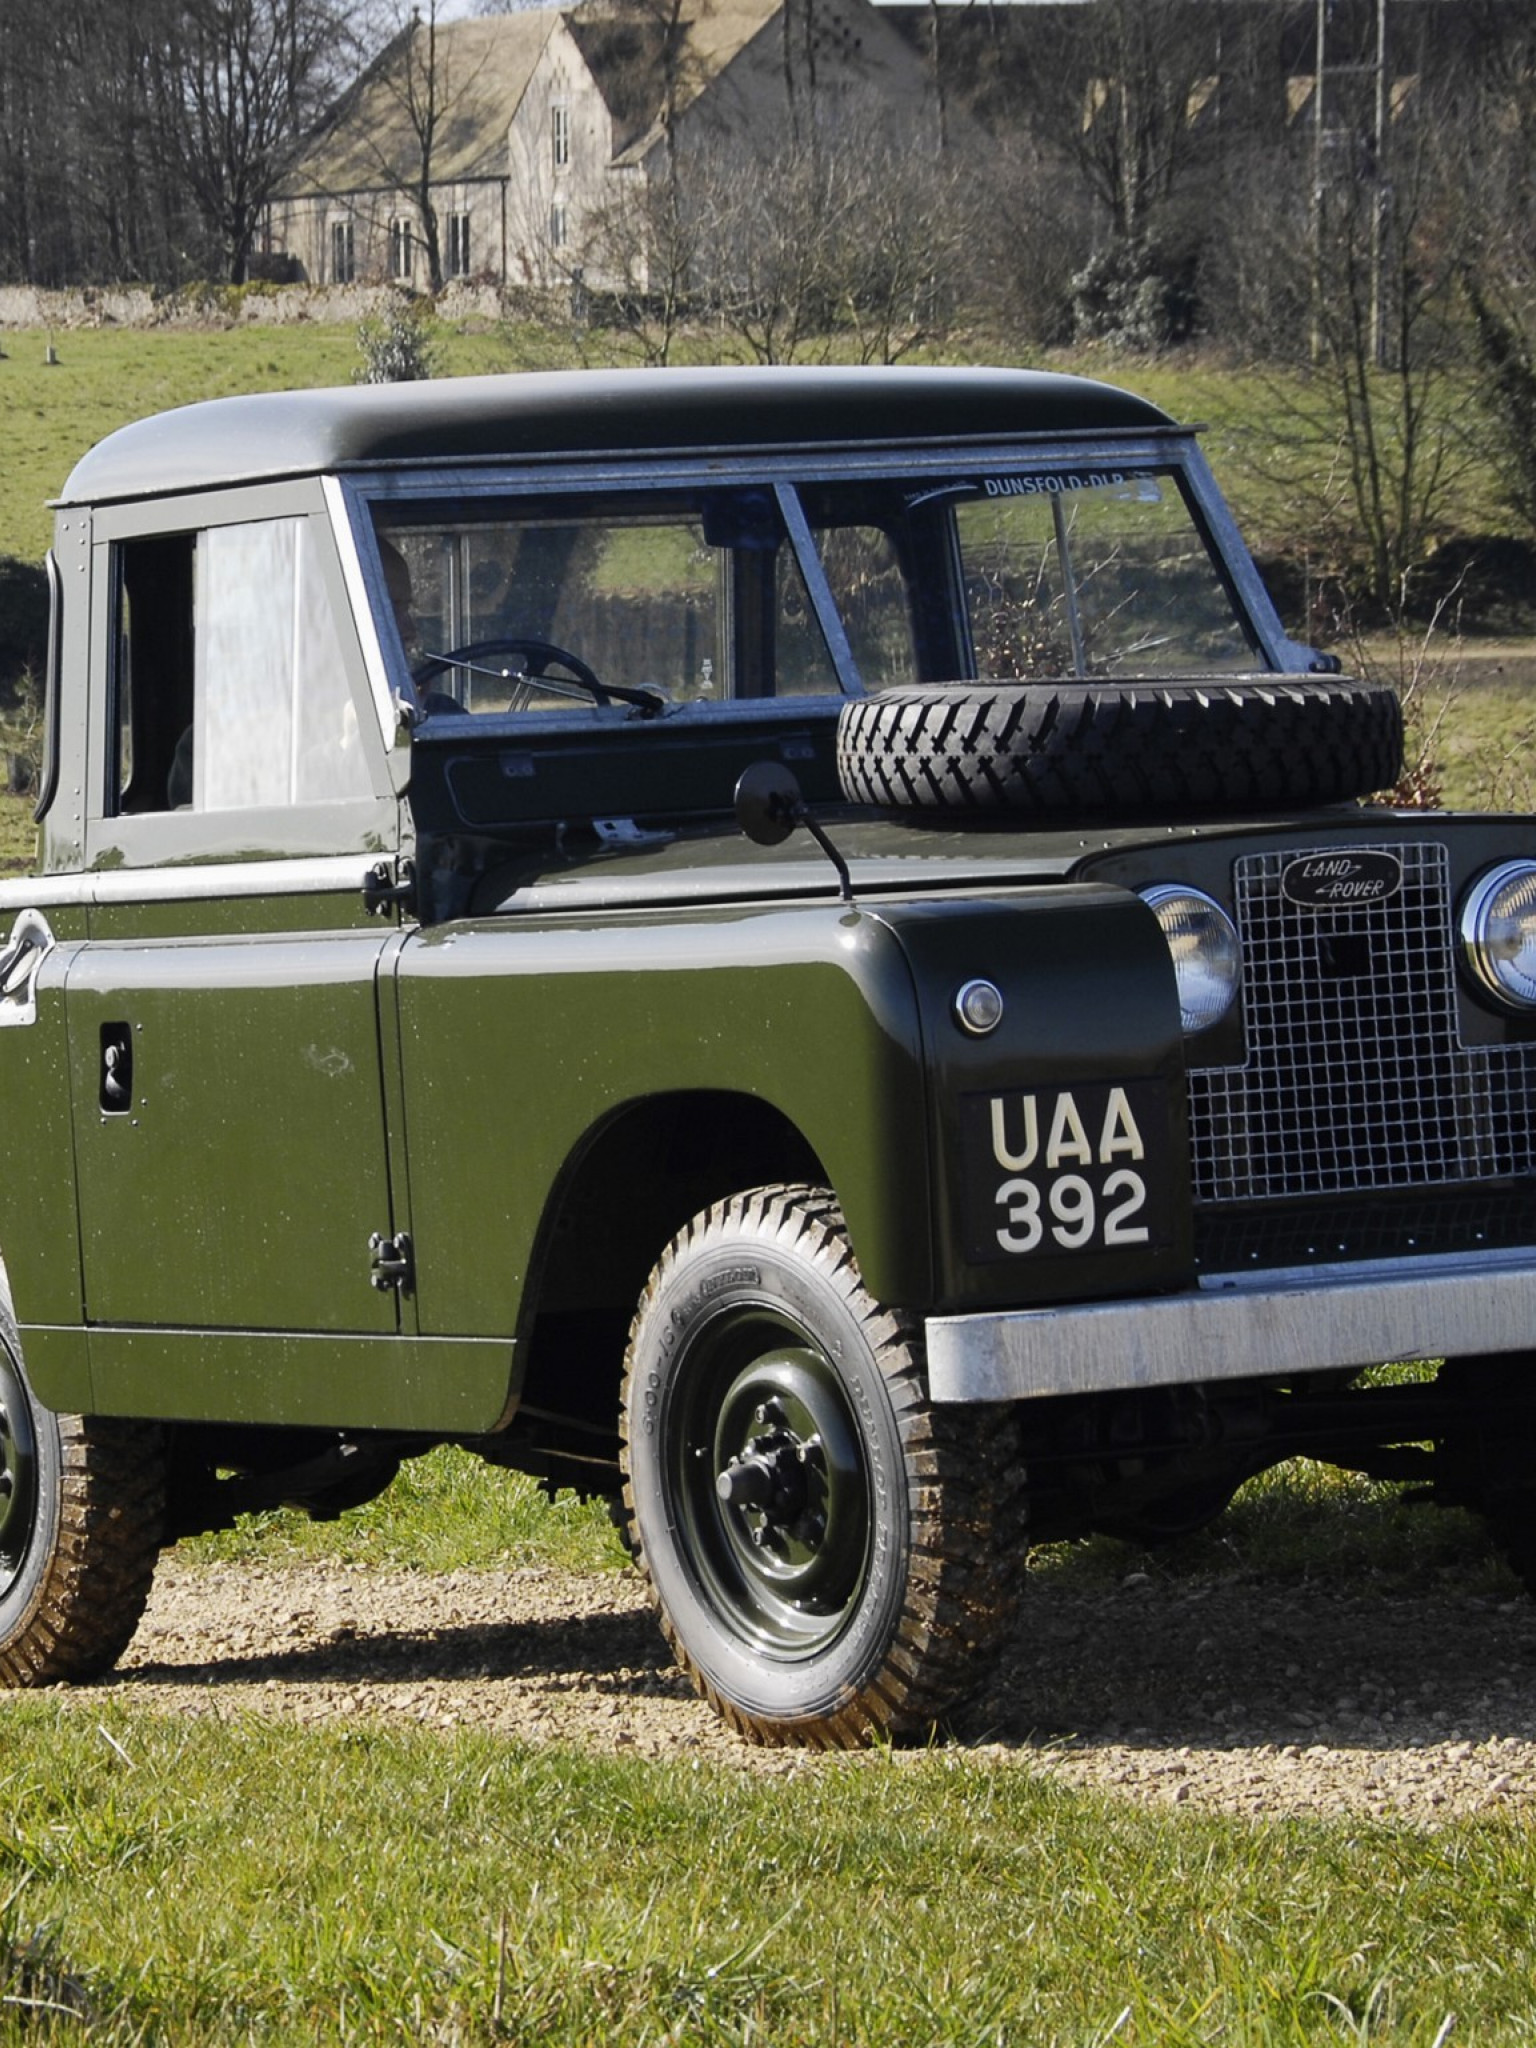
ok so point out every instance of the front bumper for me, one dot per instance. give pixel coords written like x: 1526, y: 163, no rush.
x: 1271, y: 1325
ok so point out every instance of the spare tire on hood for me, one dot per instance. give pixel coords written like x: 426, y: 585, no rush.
x: 1177, y: 744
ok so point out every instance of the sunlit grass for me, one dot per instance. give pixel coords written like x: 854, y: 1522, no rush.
x: 443, y: 1512
x: 249, y: 1882
x: 107, y: 376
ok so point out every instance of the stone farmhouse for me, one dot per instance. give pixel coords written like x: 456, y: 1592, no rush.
x: 541, y: 118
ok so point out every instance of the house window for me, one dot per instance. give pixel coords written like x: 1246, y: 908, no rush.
x: 458, y: 245
x: 560, y: 134
x: 401, y: 242
x: 343, y: 253
x: 557, y: 225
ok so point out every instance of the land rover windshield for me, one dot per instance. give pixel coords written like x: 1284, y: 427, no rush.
x: 794, y: 586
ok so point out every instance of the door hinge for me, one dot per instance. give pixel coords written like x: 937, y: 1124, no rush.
x: 391, y: 1263
x: 387, y: 886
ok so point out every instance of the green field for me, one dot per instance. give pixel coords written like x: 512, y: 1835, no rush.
x: 105, y: 376
x: 460, y: 1889
x: 50, y: 414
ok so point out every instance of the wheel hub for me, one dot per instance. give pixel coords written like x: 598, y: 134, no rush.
x: 775, y: 1482
x: 775, y: 1488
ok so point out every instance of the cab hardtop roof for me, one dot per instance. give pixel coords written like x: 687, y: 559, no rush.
x: 541, y: 414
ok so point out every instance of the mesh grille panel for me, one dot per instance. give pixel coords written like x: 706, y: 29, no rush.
x: 1355, y: 1078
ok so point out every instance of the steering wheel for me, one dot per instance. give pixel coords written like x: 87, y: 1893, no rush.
x: 537, y: 653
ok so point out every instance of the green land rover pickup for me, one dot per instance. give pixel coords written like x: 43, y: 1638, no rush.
x: 794, y: 949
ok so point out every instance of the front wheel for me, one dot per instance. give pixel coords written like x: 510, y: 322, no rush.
x: 832, y: 1557
x: 81, y: 1514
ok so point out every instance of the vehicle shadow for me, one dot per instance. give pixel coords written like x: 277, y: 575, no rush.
x: 1240, y: 1664
x: 613, y: 1652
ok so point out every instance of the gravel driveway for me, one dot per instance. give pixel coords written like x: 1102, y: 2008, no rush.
x: 1242, y: 1698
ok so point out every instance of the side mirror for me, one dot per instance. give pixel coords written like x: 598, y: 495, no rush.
x: 768, y: 803
x: 768, y: 808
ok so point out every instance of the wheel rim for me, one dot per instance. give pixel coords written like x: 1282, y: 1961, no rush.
x: 769, y: 1485
x: 18, y: 1475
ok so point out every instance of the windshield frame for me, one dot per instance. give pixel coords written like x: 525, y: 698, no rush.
x: 1170, y: 454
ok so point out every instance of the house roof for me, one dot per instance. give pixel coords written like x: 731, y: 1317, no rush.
x: 540, y: 414
x: 623, y: 43
x: 482, y: 69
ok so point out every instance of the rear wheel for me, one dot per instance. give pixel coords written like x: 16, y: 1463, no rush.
x: 833, y: 1558
x: 81, y: 1511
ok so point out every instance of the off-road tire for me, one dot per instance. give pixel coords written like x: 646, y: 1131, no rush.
x: 82, y: 1503
x: 756, y: 1339
x: 1180, y: 745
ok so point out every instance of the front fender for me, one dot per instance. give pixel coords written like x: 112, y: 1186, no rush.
x: 519, y: 1039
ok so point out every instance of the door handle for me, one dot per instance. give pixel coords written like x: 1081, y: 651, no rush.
x: 116, y: 1069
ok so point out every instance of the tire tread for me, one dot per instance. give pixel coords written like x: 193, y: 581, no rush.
x: 93, y: 1587
x: 1182, y: 744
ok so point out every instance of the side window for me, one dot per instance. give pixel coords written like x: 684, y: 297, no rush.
x: 152, y: 668
x: 231, y: 688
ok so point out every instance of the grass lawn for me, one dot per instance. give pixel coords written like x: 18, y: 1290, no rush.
x: 51, y: 414
x: 18, y: 835
x: 106, y: 376
x: 244, y: 1882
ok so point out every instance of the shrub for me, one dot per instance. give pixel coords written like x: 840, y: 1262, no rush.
x: 1129, y: 296
x: 397, y: 345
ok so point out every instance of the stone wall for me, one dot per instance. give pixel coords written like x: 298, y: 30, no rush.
x: 257, y: 305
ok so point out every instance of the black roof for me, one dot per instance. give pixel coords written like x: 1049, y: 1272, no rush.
x: 545, y: 413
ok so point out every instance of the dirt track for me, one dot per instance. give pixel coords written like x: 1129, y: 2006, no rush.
x: 1243, y: 1698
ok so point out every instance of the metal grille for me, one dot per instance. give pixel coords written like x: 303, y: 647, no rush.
x: 1355, y: 1079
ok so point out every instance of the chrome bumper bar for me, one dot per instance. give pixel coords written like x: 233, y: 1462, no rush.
x: 1237, y: 1326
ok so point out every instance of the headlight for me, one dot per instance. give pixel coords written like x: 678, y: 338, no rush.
x: 1498, y: 932
x: 1207, y: 961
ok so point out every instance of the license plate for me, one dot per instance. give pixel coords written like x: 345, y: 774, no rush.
x: 1058, y: 1170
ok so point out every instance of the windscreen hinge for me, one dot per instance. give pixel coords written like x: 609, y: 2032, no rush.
x: 388, y: 885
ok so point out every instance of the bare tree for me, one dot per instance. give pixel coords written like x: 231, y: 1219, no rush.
x: 1116, y: 87
x: 423, y: 70
x: 1498, y: 249
x: 644, y: 245
x: 1373, y: 452
x: 246, y: 78
x: 857, y: 240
